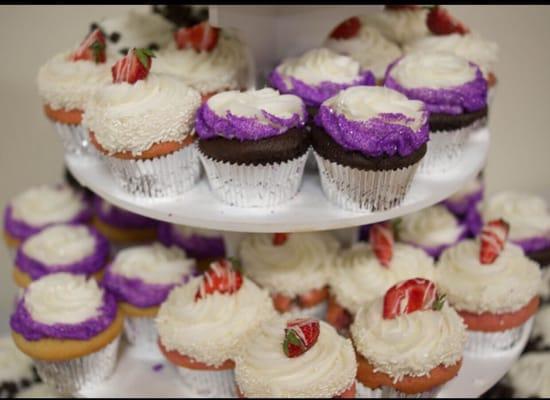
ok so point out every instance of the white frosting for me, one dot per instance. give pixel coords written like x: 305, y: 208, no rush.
x: 431, y: 226
x: 530, y: 375
x: 153, y: 264
x: 299, y: 265
x: 210, y: 330
x: 506, y: 285
x: 47, y: 204
x: 133, y: 117
x: 60, y: 245
x: 470, y: 188
x: 370, y: 48
x: 320, y: 65
x: 361, y: 103
x: 526, y: 213
x: 325, y: 370
x: 399, y: 26
x: 68, y: 85
x: 410, y: 344
x: 223, y: 68
x: 359, y: 278
x: 472, y: 47
x: 434, y: 70
x: 187, y: 231
x: 14, y: 365
x: 63, y: 298
x: 541, y: 327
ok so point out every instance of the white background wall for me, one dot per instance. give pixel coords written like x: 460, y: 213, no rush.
x: 30, y: 153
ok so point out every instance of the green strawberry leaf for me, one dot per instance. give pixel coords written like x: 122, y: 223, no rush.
x: 237, y: 265
x: 144, y: 56
x: 439, y: 302
x: 97, y: 48
x: 291, y: 338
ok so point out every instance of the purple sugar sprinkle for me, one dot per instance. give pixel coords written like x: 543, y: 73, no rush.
x: 195, y: 246
x: 158, y: 367
x: 121, y: 218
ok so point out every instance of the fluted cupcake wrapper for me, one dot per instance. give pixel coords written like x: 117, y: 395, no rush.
x: 364, y: 190
x: 318, y: 311
x: 75, y: 139
x: 245, y: 185
x: 209, y: 383
x: 491, y: 342
x: 79, y: 373
x: 141, y: 333
x: 387, y: 392
x: 165, y: 176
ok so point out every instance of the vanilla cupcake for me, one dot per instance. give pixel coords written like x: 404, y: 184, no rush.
x: 399, y: 24
x: 70, y: 327
x: 202, y: 324
x: 293, y: 267
x: 270, y: 364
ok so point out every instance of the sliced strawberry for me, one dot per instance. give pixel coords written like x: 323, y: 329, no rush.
x: 347, y: 29
x: 409, y: 296
x: 92, y: 48
x: 300, y: 336
x: 440, y: 22
x: 220, y: 278
x: 279, y: 239
x: 381, y: 241
x: 493, y: 237
x: 133, y: 67
x: 200, y: 37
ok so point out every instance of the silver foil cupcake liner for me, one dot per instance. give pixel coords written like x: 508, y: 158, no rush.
x: 209, y: 383
x: 387, y: 392
x: 364, y: 190
x: 79, y: 373
x: 165, y: 176
x: 244, y: 185
x: 319, y: 311
x: 141, y: 333
x: 75, y: 139
x: 490, y: 342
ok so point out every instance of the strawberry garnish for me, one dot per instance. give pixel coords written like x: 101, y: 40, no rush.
x: 300, y: 336
x: 221, y: 277
x: 92, y: 48
x: 200, y: 37
x: 440, y: 22
x: 279, y: 239
x: 493, y: 237
x: 409, y: 296
x: 381, y: 241
x: 347, y: 29
x: 133, y: 67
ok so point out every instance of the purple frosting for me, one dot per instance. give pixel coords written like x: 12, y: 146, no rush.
x: 315, y: 95
x: 88, y: 265
x: 471, y: 96
x: 435, y: 251
x: 462, y: 206
x: 22, y: 323
x: 121, y: 218
x: 195, y: 246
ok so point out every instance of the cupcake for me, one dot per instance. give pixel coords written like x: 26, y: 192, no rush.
x: 253, y: 146
x: 293, y: 267
x: 368, y: 142
x: 296, y: 357
x: 17, y: 372
x: 66, y: 83
x: 143, y: 124
x: 455, y: 94
x: 76, y: 249
x: 432, y: 229
x: 408, y: 342
x: 203, y: 322
x: 70, y: 327
x: 461, y: 202
x: 492, y: 285
x: 365, y: 271
x: 365, y: 44
x: 41, y: 206
x: 141, y: 277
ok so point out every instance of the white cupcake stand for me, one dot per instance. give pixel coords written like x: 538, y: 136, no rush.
x: 289, y: 30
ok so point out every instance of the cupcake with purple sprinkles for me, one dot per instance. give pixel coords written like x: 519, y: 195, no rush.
x: 455, y: 93
x: 141, y: 278
x: 368, y: 142
x: 77, y: 249
x: 466, y: 198
x: 70, y: 327
x: 253, y: 146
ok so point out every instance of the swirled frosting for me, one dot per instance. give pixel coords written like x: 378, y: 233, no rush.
x: 14, y: 365
x: 325, y: 370
x: 400, y: 26
x: 506, y: 285
x: 133, y: 117
x: 197, y: 243
x: 358, y: 277
x: 250, y: 115
x: 211, y: 329
x: 410, y: 344
x: 318, y: 74
x: 447, y: 83
x: 299, y: 265
x: 68, y: 85
x: 119, y: 217
x: 374, y: 120
x: 370, y: 48
x: 529, y: 375
x: 472, y: 47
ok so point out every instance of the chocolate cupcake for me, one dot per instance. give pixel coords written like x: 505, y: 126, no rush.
x: 368, y: 142
x: 253, y: 146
